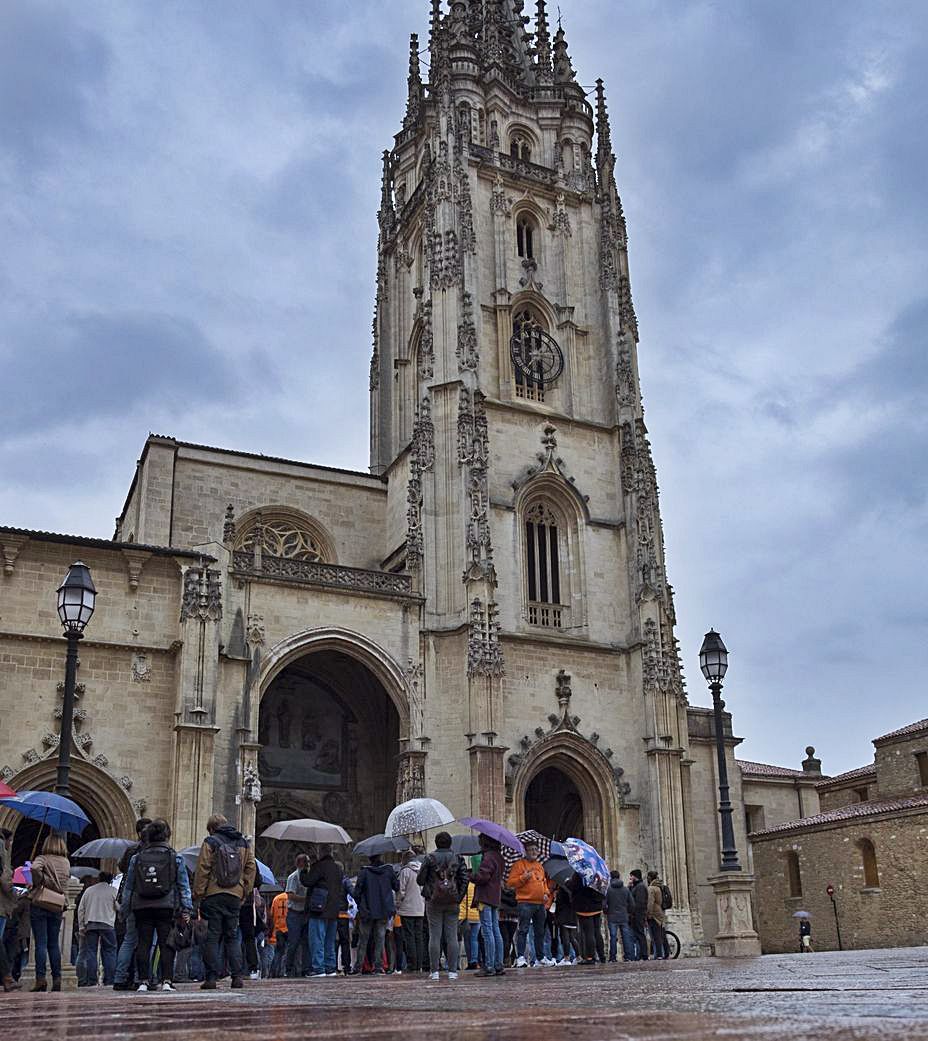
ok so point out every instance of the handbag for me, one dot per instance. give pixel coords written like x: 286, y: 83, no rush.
x: 49, y: 897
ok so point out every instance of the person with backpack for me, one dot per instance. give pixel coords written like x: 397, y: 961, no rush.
x: 156, y: 891
x: 377, y: 882
x: 225, y: 876
x: 443, y: 879
x: 656, y: 899
x: 619, y: 906
x: 325, y: 898
x: 125, y: 924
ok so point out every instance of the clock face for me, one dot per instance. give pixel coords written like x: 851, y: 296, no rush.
x: 536, y: 354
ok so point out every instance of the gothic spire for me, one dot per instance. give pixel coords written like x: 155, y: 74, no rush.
x: 605, y: 159
x: 386, y: 215
x: 542, y: 44
x: 563, y: 69
x: 414, y: 97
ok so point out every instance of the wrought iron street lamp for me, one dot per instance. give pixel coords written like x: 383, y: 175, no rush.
x: 76, y: 598
x: 713, y: 661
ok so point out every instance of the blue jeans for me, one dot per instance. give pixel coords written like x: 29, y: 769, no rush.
x: 126, y: 957
x: 531, y: 916
x: 297, y: 926
x: 629, y: 947
x: 322, y: 933
x: 472, y: 939
x: 2, y: 925
x: 492, y: 937
x: 105, y: 939
x: 46, y: 928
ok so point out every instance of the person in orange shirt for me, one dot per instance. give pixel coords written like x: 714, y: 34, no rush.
x: 533, y: 895
x: 278, y: 934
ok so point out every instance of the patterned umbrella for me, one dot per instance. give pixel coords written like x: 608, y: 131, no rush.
x: 588, y: 864
x: 417, y: 815
x: 543, y: 843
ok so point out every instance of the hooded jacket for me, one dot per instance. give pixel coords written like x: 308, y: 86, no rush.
x: 204, y: 882
x: 639, y: 893
x: 620, y: 905
x: 442, y: 858
x: 655, y: 901
x: 410, y: 903
x: 374, y: 891
x: 327, y: 874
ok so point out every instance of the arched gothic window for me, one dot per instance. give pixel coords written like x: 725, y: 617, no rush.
x: 871, y: 871
x: 793, y: 874
x: 526, y: 236
x: 282, y: 533
x: 520, y: 148
x: 527, y: 326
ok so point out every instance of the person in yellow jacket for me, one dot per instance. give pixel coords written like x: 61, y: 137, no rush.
x: 469, y: 923
x: 533, y: 895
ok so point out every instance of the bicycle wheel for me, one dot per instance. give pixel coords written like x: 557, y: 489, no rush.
x: 673, y: 943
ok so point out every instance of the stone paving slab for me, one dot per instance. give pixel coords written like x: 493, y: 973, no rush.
x: 846, y: 997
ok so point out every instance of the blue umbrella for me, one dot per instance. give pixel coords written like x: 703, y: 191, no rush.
x: 267, y: 876
x: 56, y: 811
x: 588, y: 864
x: 191, y: 855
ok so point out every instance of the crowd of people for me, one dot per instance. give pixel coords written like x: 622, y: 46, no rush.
x: 157, y: 923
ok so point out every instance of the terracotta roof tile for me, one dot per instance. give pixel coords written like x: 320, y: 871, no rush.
x: 849, y: 775
x: 847, y: 813
x: 911, y: 728
x: 750, y: 769
x: 109, y: 544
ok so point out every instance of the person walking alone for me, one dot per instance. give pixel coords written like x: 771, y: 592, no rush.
x: 157, y: 891
x: 225, y: 876
x: 443, y: 878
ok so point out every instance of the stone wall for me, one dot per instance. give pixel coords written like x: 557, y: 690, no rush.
x: 893, y: 914
x: 896, y: 766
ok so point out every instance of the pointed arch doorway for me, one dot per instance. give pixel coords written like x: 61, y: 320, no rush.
x: 554, y: 805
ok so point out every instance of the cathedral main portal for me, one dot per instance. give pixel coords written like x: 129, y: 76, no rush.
x: 330, y: 739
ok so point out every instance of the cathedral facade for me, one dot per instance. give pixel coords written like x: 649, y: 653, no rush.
x: 484, y: 616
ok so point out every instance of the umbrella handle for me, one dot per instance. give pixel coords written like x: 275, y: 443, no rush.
x: 38, y: 834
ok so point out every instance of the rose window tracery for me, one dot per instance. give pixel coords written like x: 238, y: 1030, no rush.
x: 283, y: 537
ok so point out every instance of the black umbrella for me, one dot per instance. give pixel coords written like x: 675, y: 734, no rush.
x: 466, y: 845
x: 376, y: 845
x: 103, y: 849
x: 558, y: 870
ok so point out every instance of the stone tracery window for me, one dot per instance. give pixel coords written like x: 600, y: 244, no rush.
x: 546, y: 559
x: 520, y: 147
x: 526, y: 236
x: 284, y: 534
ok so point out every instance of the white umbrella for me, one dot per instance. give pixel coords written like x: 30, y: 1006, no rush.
x: 307, y: 830
x: 417, y: 815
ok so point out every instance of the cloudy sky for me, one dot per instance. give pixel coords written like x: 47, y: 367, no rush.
x: 187, y: 201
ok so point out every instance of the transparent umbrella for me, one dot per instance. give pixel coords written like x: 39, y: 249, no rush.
x: 417, y: 815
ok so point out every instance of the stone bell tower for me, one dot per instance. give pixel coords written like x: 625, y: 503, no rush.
x: 506, y: 417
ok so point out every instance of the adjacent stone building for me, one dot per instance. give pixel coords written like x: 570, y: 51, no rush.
x: 869, y: 842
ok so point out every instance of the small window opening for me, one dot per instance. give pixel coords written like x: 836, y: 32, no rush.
x: 793, y: 874
x: 525, y: 238
x: 542, y: 555
x: 921, y: 761
x: 871, y: 872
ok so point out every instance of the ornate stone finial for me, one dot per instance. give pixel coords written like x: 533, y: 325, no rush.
x: 810, y: 764
x: 386, y: 215
x: 603, y: 128
x: 414, y: 84
x: 563, y: 69
x: 251, y: 784
x: 563, y: 692
x: 228, y: 526
x: 543, y: 69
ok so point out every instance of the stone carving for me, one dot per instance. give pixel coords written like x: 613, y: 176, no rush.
x: 101, y: 761
x: 125, y: 782
x: 50, y: 740
x: 228, y: 525
x: 6, y: 773
x: 473, y: 452
x: 251, y: 784
x: 135, y: 560
x: 254, y: 630
x: 414, y: 536
x: 467, y: 352
x: 624, y: 375
x: 529, y: 279
x: 426, y: 359
x: 282, y: 537
x: 141, y: 668
x: 80, y: 715
x: 410, y: 780
x: 423, y: 436
x: 202, y: 596
x: 560, y: 223
x: 484, y: 653
x: 626, y: 307
x: 10, y: 545
x: 465, y: 208
x: 139, y: 805
x: 335, y: 576
x: 501, y: 204
x: 84, y: 741
x: 413, y: 675
x: 31, y: 756
x: 80, y: 689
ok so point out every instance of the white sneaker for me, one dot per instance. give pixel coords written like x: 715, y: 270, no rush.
x: 254, y: 975
x: 452, y: 975
x: 521, y: 963
x: 564, y: 961
x: 331, y: 974
x: 167, y: 986
x: 142, y: 988
x: 549, y: 962
x: 434, y: 976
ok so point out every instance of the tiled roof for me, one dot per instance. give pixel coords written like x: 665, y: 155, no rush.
x: 849, y: 775
x: 749, y: 769
x: 92, y: 543
x: 911, y: 729
x: 847, y: 813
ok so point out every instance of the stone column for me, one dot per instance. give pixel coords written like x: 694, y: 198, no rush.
x: 736, y: 936
x: 193, y: 782
x: 488, y: 782
x: 410, y: 775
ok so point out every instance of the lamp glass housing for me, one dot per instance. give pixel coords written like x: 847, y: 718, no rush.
x: 76, y: 597
x: 713, y: 657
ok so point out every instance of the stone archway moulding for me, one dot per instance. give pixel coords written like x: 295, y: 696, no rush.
x: 347, y: 641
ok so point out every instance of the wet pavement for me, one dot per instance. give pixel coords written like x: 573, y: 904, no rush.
x: 854, y: 995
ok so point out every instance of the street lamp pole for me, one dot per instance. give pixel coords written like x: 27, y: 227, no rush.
x: 713, y: 661
x: 76, y: 597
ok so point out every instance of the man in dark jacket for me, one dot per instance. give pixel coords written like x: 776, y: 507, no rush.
x: 376, y: 906
x: 639, y: 916
x: 325, y: 898
x: 620, y: 906
x: 443, y: 878
x: 125, y: 959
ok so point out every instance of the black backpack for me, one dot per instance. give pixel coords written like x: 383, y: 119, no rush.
x: 318, y: 898
x: 445, y: 890
x: 666, y: 897
x: 155, y: 872
x: 228, y: 861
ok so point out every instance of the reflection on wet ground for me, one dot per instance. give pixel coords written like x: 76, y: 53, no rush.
x: 854, y: 995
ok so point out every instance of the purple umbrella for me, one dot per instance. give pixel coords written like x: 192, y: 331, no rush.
x: 495, y: 831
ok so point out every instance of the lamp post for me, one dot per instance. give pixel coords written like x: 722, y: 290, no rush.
x: 713, y: 661
x: 76, y: 597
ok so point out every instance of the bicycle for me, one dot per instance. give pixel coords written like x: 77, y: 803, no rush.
x: 673, y: 943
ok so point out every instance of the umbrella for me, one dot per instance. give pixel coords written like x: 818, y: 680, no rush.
x: 466, y: 845
x: 377, y: 844
x: 307, y: 830
x: 22, y: 876
x: 191, y: 855
x: 559, y: 870
x: 56, y: 811
x: 6, y: 792
x: 417, y: 815
x: 84, y: 872
x: 801, y: 914
x: 543, y: 843
x: 588, y: 864
x: 494, y: 831
x: 102, y: 849
x: 558, y: 850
